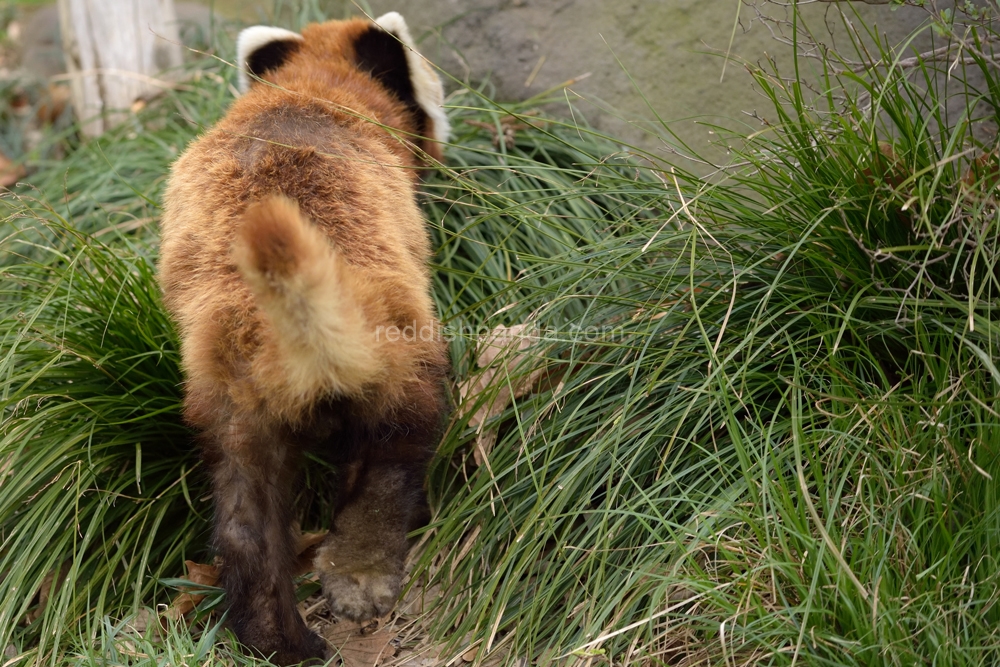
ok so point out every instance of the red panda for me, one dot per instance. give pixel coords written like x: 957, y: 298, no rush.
x: 292, y: 249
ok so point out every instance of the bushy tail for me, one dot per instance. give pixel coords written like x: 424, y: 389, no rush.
x: 322, y: 342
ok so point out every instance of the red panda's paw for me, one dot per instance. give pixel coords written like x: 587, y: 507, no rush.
x: 359, y: 592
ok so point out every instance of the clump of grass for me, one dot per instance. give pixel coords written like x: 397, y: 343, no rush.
x: 785, y: 451
x: 96, y: 496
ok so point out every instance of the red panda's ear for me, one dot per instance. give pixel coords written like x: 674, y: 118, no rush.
x: 261, y: 49
x: 388, y: 53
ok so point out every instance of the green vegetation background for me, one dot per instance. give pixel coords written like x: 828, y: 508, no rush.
x: 768, y: 428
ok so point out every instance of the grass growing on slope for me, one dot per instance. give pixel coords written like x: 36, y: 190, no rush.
x: 761, y: 425
x: 783, y: 448
x: 95, y: 467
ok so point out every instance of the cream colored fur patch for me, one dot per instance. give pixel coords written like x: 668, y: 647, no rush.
x: 253, y: 38
x: 427, y: 86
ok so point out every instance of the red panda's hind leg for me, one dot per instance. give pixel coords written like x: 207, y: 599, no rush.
x: 361, y: 562
x: 253, y: 473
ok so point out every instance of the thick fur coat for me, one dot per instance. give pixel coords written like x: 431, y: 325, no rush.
x: 292, y: 247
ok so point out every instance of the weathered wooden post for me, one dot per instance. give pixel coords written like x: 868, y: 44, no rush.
x: 114, y: 51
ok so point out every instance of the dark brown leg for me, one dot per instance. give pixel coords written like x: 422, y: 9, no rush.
x: 253, y: 472
x: 361, y: 562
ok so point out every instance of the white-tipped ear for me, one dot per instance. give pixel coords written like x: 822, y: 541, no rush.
x: 260, y: 48
x: 427, y: 88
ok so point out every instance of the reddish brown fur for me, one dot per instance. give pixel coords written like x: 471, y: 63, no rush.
x: 297, y: 198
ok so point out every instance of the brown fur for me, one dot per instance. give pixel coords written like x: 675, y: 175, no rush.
x: 290, y: 236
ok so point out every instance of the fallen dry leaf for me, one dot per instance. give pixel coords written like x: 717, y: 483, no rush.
x: 50, y: 586
x: 10, y: 171
x: 52, y: 105
x: 418, y: 600
x: 984, y: 170
x: 197, y: 573
x: 356, y: 648
x: 305, y: 551
x: 429, y: 656
x: 308, y: 541
x: 144, y: 620
x: 501, y: 355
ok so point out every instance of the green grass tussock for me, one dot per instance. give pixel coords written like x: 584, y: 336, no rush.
x: 785, y: 452
x: 755, y: 422
x: 95, y: 490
